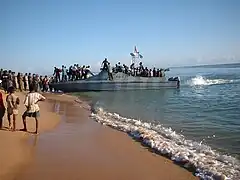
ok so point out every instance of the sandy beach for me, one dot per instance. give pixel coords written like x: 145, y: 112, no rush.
x: 72, y: 146
x: 15, y: 152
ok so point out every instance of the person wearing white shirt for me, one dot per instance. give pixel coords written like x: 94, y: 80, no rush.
x: 31, y: 100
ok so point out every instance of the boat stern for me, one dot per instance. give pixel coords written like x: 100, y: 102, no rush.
x: 175, y: 79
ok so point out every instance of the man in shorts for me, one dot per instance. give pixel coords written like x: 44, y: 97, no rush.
x: 31, y: 100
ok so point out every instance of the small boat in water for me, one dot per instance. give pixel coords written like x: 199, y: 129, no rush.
x: 120, y: 81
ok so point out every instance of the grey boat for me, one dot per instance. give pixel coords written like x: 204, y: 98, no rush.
x: 120, y: 81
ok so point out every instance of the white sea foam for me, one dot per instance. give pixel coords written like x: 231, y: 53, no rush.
x: 207, y: 163
x: 201, y: 81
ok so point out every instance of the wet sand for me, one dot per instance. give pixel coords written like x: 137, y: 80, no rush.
x: 80, y: 148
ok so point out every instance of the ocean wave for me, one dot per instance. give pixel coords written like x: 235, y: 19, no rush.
x: 198, y: 157
x: 201, y: 81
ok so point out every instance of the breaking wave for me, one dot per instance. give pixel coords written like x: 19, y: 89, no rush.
x: 206, y: 163
x: 201, y: 81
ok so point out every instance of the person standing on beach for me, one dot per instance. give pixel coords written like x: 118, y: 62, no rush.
x: 14, y: 80
x: 29, y: 80
x: 25, y: 82
x: 31, y: 100
x: 12, y: 107
x: 2, y: 110
x: 20, y: 81
x: 5, y: 80
x: 45, y: 84
x: 9, y: 80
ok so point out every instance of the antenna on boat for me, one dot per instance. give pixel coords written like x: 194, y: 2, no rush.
x: 135, y: 55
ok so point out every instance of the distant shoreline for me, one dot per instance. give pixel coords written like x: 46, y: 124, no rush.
x: 231, y: 65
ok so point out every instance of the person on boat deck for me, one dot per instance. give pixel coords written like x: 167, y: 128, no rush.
x: 132, y: 68
x: 161, y: 73
x: 78, y: 72
x: 154, y: 72
x: 125, y: 69
x: 150, y: 73
x: 105, y: 64
x: 70, y: 72
x: 83, y: 72
x: 119, y: 67
x: 110, y: 76
x: 145, y: 72
x: 74, y: 69
x: 141, y: 68
x: 64, y: 73
x: 87, y: 72
x: 56, y: 73
x: 158, y: 73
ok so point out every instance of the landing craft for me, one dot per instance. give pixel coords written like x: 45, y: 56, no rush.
x: 120, y: 80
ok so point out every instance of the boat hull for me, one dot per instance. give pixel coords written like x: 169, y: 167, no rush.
x: 106, y: 85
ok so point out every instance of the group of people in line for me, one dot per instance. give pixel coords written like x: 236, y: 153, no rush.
x: 133, y: 71
x: 12, y: 107
x: 22, y: 82
x: 72, y: 73
x: 76, y: 72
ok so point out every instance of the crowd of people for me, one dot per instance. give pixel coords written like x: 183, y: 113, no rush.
x: 76, y: 72
x: 133, y: 71
x: 73, y: 73
x: 22, y: 82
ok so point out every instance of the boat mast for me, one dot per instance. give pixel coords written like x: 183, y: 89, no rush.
x: 135, y: 56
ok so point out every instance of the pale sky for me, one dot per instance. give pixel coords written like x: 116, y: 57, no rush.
x: 37, y: 35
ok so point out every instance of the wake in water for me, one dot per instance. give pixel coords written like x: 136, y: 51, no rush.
x: 207, y: 163
x: 201, y: 81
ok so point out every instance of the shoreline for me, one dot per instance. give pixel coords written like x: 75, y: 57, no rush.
x: 121, y: 151
x: 200, y: 158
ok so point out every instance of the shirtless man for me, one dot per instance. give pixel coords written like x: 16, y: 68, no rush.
x: 31, y: 100
x: 12, y: 107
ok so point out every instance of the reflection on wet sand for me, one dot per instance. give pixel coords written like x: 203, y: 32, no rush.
x: 68, y: 111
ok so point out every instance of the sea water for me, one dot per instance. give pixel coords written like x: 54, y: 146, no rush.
x: 198, y: 124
